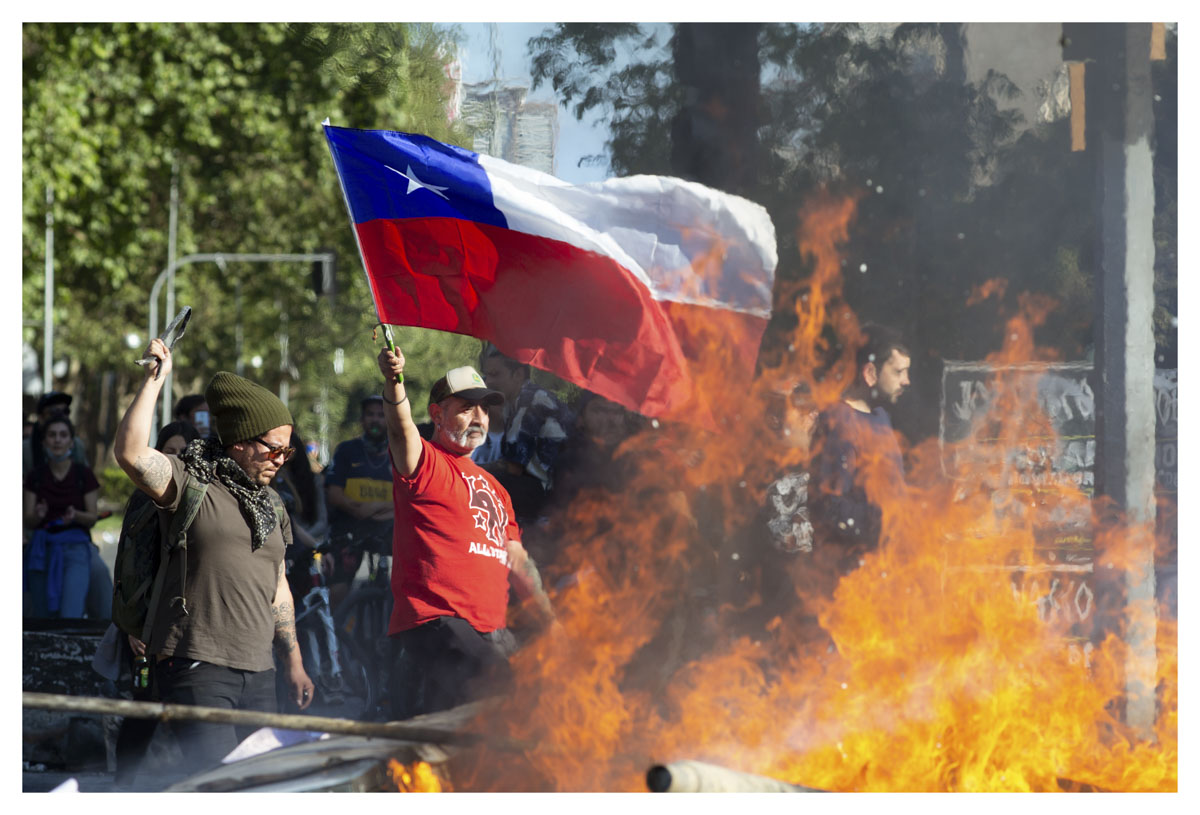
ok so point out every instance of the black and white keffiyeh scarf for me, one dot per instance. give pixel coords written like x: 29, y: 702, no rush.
x: 207, y: 461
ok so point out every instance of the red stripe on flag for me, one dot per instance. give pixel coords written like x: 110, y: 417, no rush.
x: 720, y: 345
x: 575, y: 313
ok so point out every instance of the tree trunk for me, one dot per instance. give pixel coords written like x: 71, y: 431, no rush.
x: 714, y: 138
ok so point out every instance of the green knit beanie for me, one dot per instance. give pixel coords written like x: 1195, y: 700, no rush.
x: 242, y: 410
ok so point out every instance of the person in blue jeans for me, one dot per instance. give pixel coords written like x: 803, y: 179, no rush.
x: 60, y: 507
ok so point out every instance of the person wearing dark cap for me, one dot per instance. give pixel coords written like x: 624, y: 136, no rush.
x: 50, y: 405
x: 212, y: 636
x: 456, y: 547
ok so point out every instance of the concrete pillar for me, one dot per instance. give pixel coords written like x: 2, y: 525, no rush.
x: 1120, y: 124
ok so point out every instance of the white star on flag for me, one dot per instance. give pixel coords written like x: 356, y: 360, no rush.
x: 415, y: 183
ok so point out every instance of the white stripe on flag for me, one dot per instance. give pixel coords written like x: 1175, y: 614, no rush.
x: 683, y: 241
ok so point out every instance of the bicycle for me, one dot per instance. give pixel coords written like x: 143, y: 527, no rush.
x: 330, y: 658
x: 362, y: 622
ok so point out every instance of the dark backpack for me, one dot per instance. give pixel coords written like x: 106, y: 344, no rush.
x: 143, y: 555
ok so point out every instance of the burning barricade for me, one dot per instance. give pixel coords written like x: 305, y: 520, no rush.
x: 984, y: 645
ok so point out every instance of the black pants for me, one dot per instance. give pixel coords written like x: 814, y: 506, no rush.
x: 184, y: 681
x: 445, y: 663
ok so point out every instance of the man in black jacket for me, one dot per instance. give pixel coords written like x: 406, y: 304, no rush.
x: 858, y: 459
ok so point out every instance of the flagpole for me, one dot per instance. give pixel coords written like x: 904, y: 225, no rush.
x: 350, y: 215
x: 387, y: 329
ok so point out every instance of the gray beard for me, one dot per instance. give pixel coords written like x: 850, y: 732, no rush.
x: 462, y: 438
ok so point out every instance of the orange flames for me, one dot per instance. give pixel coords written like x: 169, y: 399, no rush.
x: 418, y: 777
x: 958, y: 656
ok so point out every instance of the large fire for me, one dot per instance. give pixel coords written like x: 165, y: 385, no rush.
x: 955, y: 657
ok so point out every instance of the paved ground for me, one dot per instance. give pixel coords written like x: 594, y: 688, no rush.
x: 45, y: 780
x: 33, y: 781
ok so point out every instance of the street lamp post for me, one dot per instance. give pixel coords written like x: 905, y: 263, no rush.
x: 48, y: 319
x: 220, y: 258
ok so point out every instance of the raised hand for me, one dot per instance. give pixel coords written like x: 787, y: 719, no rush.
x: 156, y: 359
x: 391, y: 365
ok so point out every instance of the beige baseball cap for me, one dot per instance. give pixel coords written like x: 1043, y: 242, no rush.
x: 465, y: 383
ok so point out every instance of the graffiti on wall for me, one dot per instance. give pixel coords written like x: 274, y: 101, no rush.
x: 1026, y: 435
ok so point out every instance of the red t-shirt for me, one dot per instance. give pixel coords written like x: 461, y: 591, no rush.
x: 449, y: 555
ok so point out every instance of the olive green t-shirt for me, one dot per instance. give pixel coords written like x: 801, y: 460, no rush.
x: 229, y: 590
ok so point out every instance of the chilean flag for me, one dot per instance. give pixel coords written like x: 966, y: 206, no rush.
x: 646, y: 290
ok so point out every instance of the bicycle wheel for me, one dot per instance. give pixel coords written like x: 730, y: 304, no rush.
x: 362, y: 620
x: 364, y: 690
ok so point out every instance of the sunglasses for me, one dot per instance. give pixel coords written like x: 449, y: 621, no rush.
x: 276, y: 454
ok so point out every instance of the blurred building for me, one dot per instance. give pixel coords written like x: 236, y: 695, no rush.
x: 453, y: 71
x: 508, y: 127
x: 1027, y: 55
x: 1030, y: 56
x: 1020, y: 65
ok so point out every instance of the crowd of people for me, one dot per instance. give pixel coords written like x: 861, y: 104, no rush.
x: 471, y: 506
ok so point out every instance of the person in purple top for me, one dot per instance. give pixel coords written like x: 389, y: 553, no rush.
x: 857, y: 455
x: 60, y: 507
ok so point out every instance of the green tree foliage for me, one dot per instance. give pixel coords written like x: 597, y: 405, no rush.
x: 638, y: 95
x: 714, y: 134
x: 110, y: 109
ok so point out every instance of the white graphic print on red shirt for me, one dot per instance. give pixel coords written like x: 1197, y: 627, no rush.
x: 490, y: 517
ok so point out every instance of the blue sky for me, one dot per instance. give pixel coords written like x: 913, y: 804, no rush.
x: 575, y: 138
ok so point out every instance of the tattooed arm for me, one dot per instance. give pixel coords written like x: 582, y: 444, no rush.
x: 300, y: 687
x: 527, y: 582
x: 149, y: 469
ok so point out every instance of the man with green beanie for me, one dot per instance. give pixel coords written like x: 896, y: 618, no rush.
x: 212, y: 636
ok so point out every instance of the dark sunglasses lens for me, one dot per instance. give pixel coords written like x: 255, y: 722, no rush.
x: 280, y: 454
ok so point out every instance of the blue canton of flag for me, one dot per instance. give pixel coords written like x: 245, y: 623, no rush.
x: 435, y: 180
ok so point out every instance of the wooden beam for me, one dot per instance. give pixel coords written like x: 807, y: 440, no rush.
x: 405, y: 731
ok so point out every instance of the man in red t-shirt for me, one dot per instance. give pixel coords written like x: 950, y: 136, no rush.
x: 456, y: 546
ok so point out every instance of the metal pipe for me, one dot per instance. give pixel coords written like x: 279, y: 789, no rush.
x: 220, y: 259
x: 239, y: 366
x: 250, y: 718
x: 216, y: 257
x: 172, y: 231
x: 48, y: 314
x: 698, y: 776
x: 284, y: 359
